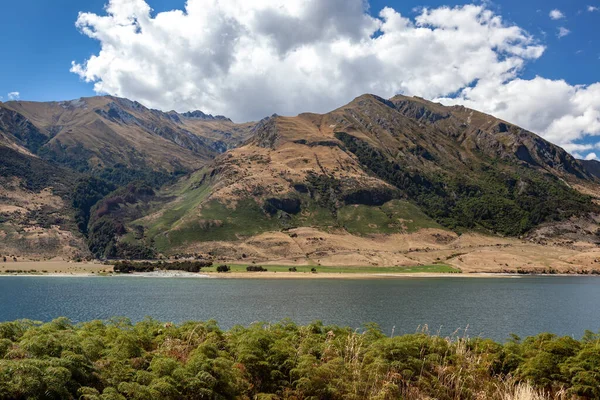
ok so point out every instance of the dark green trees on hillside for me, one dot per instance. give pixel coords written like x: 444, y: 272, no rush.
x: 510, y: 200
x: 107, y: 223
x: 87, y: 193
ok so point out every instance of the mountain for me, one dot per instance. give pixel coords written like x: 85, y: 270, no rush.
x: 372, y: 167
x: 592, y: 166
x: 378, y: 181
x: 99, y: 132
x: 50, y: 151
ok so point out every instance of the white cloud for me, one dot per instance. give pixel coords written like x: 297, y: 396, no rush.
x: 562, y: 32
x: 592, y: 8
x: 591, y: 156
x: 248, y: 59
x: 556, y: 14
x: 13, y: 95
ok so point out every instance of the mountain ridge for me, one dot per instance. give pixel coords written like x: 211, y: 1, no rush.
x: 401, y: 166
x: 106, y: 130
x: 465, y: 169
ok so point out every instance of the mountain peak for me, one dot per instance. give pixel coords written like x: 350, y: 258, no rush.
x: 197, y: 114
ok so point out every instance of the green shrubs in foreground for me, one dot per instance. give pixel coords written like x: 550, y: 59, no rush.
x: 196, y: 360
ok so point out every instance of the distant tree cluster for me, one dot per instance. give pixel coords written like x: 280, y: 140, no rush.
x: 196, y: 360
x: 107, y: 223
x: 223, y: 268
x: 255, y: 268
x: 127, y: 267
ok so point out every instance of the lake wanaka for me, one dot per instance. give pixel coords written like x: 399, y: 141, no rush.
x: 487, y: 307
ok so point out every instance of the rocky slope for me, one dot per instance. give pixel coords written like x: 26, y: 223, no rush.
x: 98, y: 132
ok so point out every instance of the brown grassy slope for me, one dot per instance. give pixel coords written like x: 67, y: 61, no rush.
x: 283, y: 152
x: 36, y: 220
x: 470, y: 253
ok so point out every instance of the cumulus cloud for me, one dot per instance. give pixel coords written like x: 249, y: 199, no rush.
x: 556, y: 14
x: 248, y: 59
x: 592, y: 8
x: 591, y: 156
x: 13, y: 95
x: 562, y: 32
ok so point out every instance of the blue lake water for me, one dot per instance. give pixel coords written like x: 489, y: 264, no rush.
x: 488, y: 307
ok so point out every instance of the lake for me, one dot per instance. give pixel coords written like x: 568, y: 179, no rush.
x: 488, y: 307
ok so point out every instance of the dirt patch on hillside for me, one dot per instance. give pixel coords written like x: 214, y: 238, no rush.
x: 32, y: 224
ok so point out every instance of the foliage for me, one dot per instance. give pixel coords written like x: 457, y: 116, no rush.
x: 87, y: 193
x: 35, y: 174
x: 196, y: 360
x: 126, y: 267
x: 503, y: 198
x: 107, y: 223
x: 255, y: 268
x: 122, y: 175
x: 325, y: 190
x: 223, y: 268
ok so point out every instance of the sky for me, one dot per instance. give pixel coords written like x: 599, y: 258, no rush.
x: 535, y: 63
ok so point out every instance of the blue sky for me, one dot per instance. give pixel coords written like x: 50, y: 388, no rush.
x: 40, y: 40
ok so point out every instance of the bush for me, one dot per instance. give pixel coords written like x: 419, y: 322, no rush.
x: 127, y: 267
x: 196, y: 360
x: 223, y: 268
x: 255, y: 268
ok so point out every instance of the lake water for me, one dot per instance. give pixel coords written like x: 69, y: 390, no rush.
x: 488, y: 307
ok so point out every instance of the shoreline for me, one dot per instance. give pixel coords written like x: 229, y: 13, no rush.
x: 66, y: 269
x: 288, y: 275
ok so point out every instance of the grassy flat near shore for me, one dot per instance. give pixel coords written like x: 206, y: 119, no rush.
x: 432, y: 269
x: 88, y: 268
x: 118, y: 360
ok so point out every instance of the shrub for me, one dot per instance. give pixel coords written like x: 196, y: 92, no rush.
x: 255, y: 268
x: 196, y: 360
x: 223, y: 268
x: 126, y: 267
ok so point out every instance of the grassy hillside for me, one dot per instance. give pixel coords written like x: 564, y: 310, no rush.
x: 118, y: 360
x: 188, y: 215
x: 36, y: 219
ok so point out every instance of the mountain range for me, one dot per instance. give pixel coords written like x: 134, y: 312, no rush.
x: 378, y: 181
